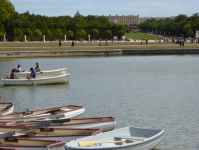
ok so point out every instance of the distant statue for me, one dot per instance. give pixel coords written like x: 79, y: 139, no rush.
x: 197, y: 36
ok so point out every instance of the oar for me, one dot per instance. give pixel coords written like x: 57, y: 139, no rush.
x: 50, y: 111
x: 32, y: 82
x: 49, y: 118
x: 90, y: 143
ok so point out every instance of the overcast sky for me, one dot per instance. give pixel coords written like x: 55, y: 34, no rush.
x: 143, y: 8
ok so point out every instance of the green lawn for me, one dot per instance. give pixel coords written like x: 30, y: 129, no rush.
x: 142, y: 35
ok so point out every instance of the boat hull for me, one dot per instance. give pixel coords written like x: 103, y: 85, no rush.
x: 147, y: 139
x: 60, y: 79
x: 44, y: 73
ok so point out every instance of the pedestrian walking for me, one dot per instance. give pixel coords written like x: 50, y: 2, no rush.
x: 59, y: 43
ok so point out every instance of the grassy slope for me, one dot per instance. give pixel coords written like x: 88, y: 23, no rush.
x: 142, y: 35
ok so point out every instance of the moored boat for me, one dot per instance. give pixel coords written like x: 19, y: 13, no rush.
x: 106, y: 123
x: 7, y: 141
x: 55, y: 72
x: 125, y: 139
x: 3, y: 148
x: 68, y: 111
x: 40, y: 80
x: 6, y: 108
x: 46, y: 133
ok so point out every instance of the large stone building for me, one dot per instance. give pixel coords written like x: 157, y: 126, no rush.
x: 131, y: 19
x: 134, y: 20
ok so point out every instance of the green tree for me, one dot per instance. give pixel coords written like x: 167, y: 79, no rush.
x: 6, y: 9
x: 188, y: 30
x: 2, y: 30
x: 37, y: 33
x: 17, y: 32
x: 58, y: 33
x: 121, y: 32
x: 47, y: 32
x: 18, y: 23
x: 27, y: 32
x: 108, y: 33
x: 70, y: 33
x: 94, y: 32
x: 121, y: 27
x: 81, y: 33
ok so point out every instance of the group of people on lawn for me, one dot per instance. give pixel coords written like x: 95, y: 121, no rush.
x: 19, y: 70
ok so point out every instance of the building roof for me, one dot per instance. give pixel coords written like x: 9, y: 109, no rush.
x: 77, y: 13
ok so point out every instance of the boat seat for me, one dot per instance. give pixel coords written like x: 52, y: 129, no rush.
x: 130, y: 137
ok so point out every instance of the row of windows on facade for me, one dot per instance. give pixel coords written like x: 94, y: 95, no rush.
x: 125, y: 21
x: 123, y: 17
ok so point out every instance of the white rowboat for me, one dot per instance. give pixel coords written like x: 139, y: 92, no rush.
x: 68, y: 111
x: 106, y: 123
x: 44, y: 73
x: 128, y: 138
x: 41, y: 80
x: 6, y: 108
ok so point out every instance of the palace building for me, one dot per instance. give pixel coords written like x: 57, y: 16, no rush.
x: 135, y: 20
x: 131, y: 19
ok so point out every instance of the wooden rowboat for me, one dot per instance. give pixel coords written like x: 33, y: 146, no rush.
x: 60, y: 134
x: 7, y: 141
x: 2, y: 148
x: 106, y: 123
x: 40, y: 80
x: 6, y: 108
x: 125, y: 139
x: 44, y: 73
x: 68, y: 111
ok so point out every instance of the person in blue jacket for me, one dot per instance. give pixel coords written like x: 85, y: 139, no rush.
x: 32, y: 74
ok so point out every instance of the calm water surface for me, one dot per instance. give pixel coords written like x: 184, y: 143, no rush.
x: 159, y: 92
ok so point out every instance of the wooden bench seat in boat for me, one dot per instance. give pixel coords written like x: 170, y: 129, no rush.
x: 129, y: 137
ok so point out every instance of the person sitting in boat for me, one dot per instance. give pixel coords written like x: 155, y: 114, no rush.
x: 19, y: 68
x: 32, y: 75
x: 37, y: 68
x: 12, y: 75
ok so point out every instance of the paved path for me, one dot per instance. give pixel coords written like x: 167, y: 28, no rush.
x: 102, y: 46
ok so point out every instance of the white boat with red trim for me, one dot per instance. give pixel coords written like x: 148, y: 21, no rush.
x: 69, y: 111
x: 61, y: 134
x: 106, y: 123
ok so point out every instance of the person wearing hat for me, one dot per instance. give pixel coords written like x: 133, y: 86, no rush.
x: 37, y: 68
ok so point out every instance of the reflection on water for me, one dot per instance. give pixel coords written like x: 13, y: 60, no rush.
x: 159, y: 92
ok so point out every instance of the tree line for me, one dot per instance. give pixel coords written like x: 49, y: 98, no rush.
x: 181, y: 25
x: 16, y: 25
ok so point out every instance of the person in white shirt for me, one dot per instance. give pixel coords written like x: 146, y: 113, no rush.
x: 19, y: 68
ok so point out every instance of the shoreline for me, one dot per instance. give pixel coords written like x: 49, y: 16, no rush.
x: 118, y: 52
